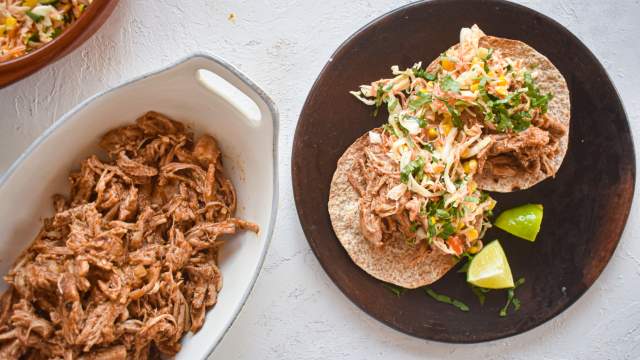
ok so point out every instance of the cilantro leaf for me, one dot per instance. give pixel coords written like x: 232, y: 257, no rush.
x: 415, y: 168
x: 33, y: 16
x: 396, y: 290
x: 422, y: 73
x: 449, y: 84
x: 511, y: 298
x: 421, y: 98
x: 447, y: 230
x: 447, y: 300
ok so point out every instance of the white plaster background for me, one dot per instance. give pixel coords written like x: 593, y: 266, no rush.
x: 295, y: 311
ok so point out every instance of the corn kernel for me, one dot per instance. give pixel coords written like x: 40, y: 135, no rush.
x: 448, y: 64
x: 472, y: 234
x: 433, y: 133
x: 472, y: 186
x: 474, y: 87
x: 474, y: 250
x: 470, y: 166
x: 10, y: 23
x: 492, y: 204
x: 501, y: 91
x: 491, y: 74
x: 2, y: 30
x: 502, y: 81
x: 445, y: 127
x: 30, y: 3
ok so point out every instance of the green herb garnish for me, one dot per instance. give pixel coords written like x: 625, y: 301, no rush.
x: 428, y: 147
x: 56, y: 32
x: 420, y: 100
x: 378, y: 100
x: 34, y: 38
x: 447, y: 230
x: 511, y: 298
x: 415, y: 168
x: 442, y: 214
x: 446, y: 299
x: 537, y: 99
x: 395, y: 289
x: 480, y: 293
x: 34, y: 17
x: 455, y: 113
x: 449, y: 84
x: 422, y: 73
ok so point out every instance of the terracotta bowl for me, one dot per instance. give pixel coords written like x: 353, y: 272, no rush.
x: 21, y: 67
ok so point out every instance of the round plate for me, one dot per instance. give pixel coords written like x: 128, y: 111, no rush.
x: 81, y: 30
x: 586, y: 205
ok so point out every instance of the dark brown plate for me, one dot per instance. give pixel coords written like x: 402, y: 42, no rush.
x: 586, y: 205
x: 77, y: 33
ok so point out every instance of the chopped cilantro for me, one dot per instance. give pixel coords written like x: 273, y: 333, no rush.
x: 447, y: 230
x: 442, y: 214
x: 455, y: 113
x: 34, y: 17
x: 488, y: 56
x: 480, y: 293
x: 432, y: 229
x: 446, y: 299
x: 34, y: 38
x: 449, y: 84
x: 521, y: 121
x: 56, y: 32
x: 395, y: 289
x: 392, y: 103
x: 422, y: 73
x: 421, y: 99
x: 537, y: 100
x: 378, y: 100
x: 415, y: 168
x: 511, y: 298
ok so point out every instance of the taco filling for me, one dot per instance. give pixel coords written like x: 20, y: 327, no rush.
x: 473, y: 113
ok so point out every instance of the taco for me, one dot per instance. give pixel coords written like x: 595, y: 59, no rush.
x: 531, y: 147
x: 408, y: 199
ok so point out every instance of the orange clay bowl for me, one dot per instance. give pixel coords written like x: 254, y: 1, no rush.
x: 73, y: 36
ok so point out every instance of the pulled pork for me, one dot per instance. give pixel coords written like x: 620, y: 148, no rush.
x: 128, y: 263
x: 531, y: 150
x: 374, y: 174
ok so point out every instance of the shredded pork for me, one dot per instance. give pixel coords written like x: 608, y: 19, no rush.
x: 530, y: 151
x: 128, y: 263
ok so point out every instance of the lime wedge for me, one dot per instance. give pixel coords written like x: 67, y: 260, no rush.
x: 490, y: 268
x: 523, y: 221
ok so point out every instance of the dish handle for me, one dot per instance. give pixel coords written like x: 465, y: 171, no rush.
x: 223, y: 79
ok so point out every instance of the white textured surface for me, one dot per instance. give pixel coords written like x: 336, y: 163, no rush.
x: 295, y: 312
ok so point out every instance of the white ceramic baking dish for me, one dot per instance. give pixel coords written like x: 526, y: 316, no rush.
x: 237, y: 113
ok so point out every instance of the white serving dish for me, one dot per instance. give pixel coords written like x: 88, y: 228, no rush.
x: 248, y: 140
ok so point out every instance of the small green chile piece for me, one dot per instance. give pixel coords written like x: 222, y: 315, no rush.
x: 522, y: 221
